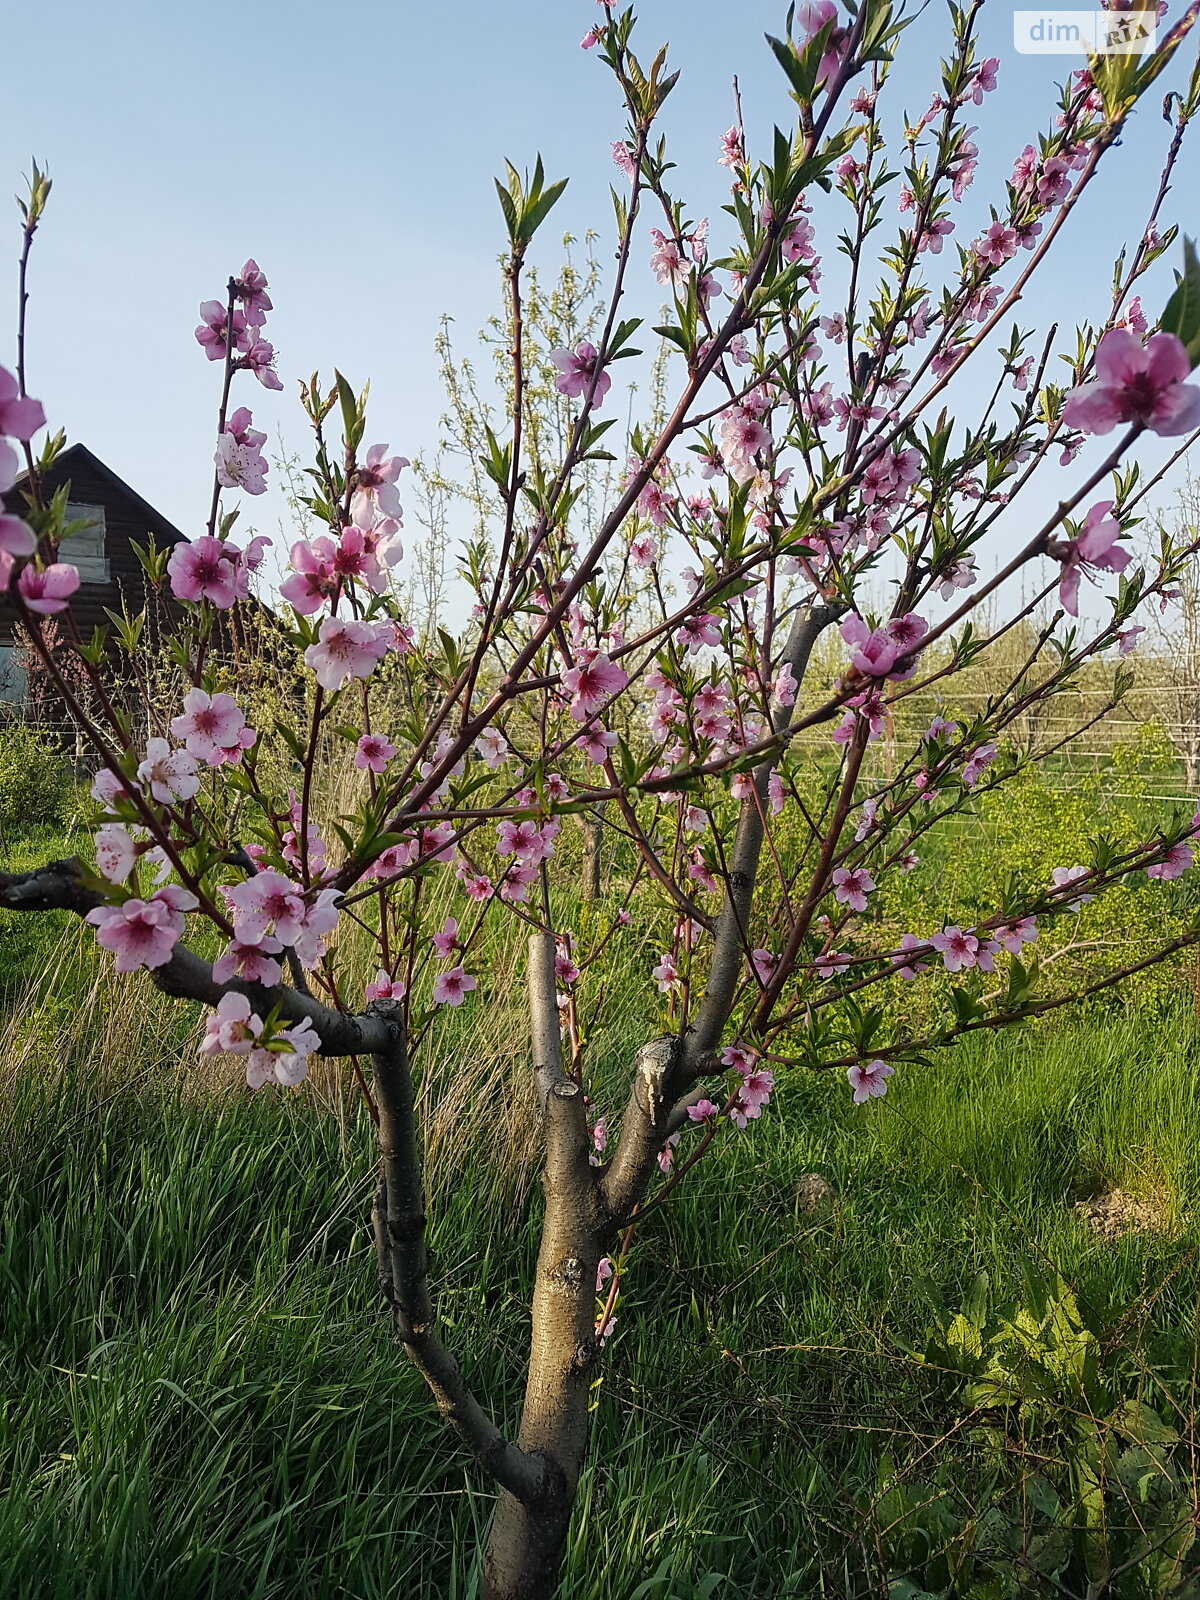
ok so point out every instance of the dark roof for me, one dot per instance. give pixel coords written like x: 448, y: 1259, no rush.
x: 66, y: 465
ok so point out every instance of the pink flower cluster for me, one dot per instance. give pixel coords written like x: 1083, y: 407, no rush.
x: 885, y: 652
x: 754, y: 1091
x: 215, y: 570
x: 235, y: 1029
x: 43, y: 589
x: 143, y: 933
x: 267, y: 903
x: 20, y: 418
x: 220, y: 335
x: 744, y: 437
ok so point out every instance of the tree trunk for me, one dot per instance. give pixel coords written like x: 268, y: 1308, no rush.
x: 593, y: 834
x: 528, y: 1532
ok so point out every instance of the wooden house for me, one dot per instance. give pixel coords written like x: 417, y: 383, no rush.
x: 116, y: 518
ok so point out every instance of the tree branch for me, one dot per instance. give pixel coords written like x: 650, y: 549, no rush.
x: 399, y: 1224
x: 63, y: 886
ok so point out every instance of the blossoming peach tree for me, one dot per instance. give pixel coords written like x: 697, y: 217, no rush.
x: 810, y: 475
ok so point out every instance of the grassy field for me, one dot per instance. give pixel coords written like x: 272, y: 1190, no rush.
x: 199, y: 1394
x: 201, y: 1398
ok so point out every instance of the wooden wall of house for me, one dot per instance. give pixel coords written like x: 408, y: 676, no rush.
x: 126, y: 518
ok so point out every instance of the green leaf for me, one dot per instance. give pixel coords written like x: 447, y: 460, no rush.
x: 1181, y: 316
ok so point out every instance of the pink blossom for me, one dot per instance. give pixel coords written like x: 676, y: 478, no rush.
x: 526, y: 840
x: 314, y: 575
x: 251, y: 290
x: 596, y: 744
x: 451, y: 988
x: 797, y: 242
x: 869, y: 1082
x: 623, y: 157
x: 811, y: 17
x: 16, y: 537
x: 906, y: 965
x: 493, y: 748
x: 873, y: 652
x: 1136, y: 383
x: 1013, y: 935
x: 784, y: 689
x: 213, y: 333
x: 852, y: 885
x: 115, y: 852
x: 289, y: 1065
x: 373, y: 752
x: 107, y: 788
x: 251, y: 963
x: 935, y: 232
x: 743, y: 437
x: 392, y: 861
x: 575, y: 372
x: 1127, y: 640
x: 320, y: 918
x: 1094, y: 549
x: 386, y: 988
x: 20, y: 417
x: 375, y: 493
x: 171, y: 774
x: 997, y: 245
x: 704, y: 1111
x: 47, y: 590
x: 740, y: 1057
x: 239, y: 468
x: 977, y: 764
x: 960, y: 574
x: 1063, y: 876
x: 667, y: 260
x: 232, y: 1028
x: 763, y: 964
x: 213, y: 728
x: 593, y: 683
x: 345, y: 650
x: 267, y: 900
x: 699, y: 630
x: 378, y: 550
x: 757, y: 1087
x: 258, y: 357
x: 445, y: 941
x: 656, y: 504
x: 206, y: 569
x: 643, y: 551
x: 1174, y: 864
x: 958, y: 949
x: 830, y: 963
x: 666, y: 973
x: 143, y: 933
x: 732, y: 152
x: 984, y: 80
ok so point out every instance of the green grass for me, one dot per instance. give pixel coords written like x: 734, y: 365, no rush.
x: 199, y: 1395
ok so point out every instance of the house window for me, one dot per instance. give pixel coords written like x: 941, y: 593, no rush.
x: 84, y: 549
x: 12, y: 676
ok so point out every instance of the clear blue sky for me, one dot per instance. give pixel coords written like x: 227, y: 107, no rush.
x: 350, y: 148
